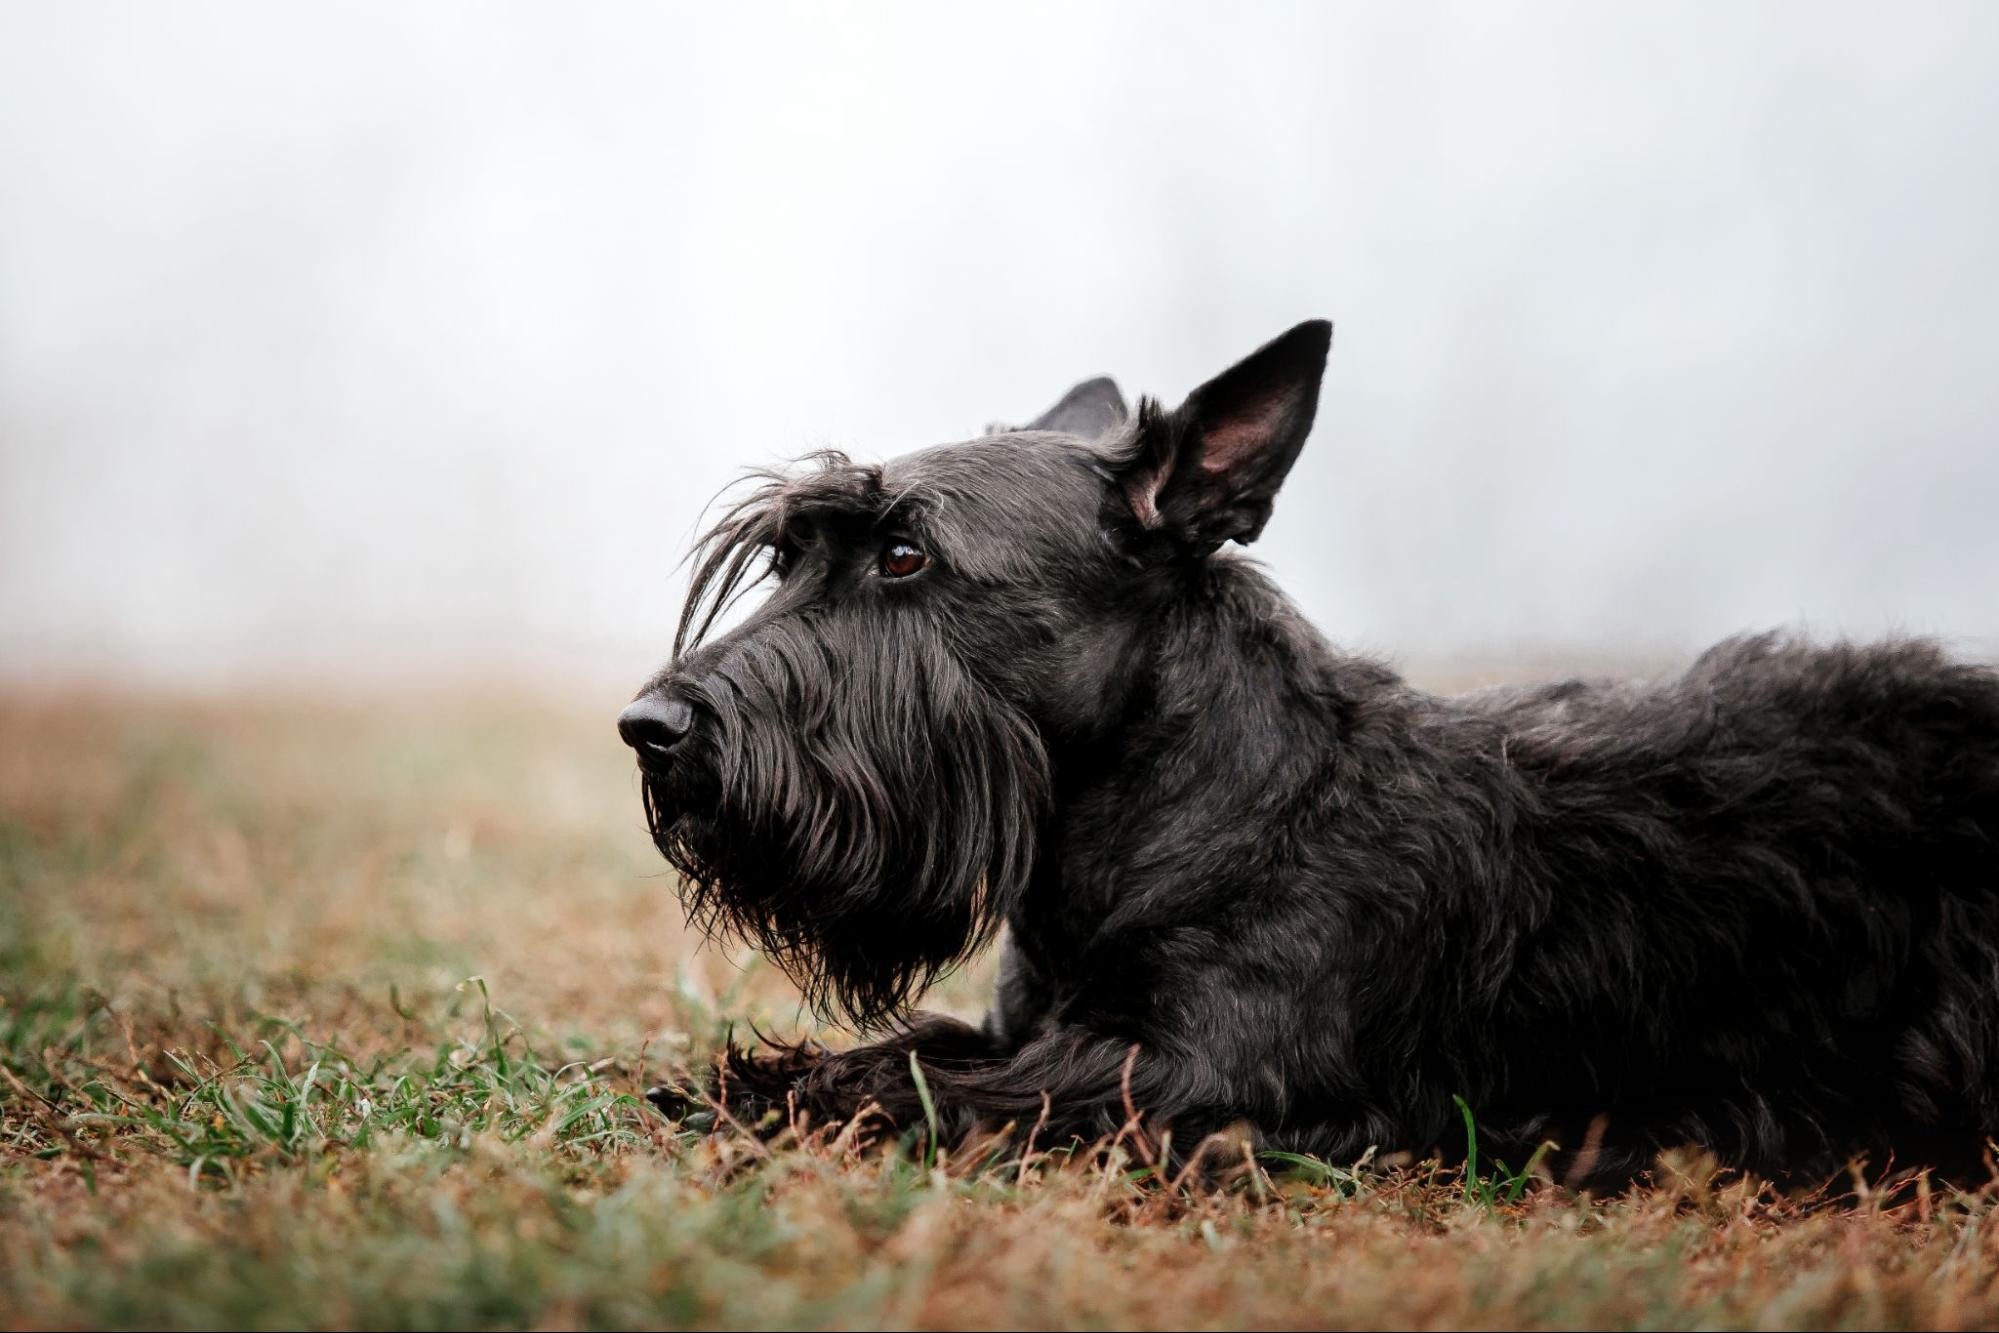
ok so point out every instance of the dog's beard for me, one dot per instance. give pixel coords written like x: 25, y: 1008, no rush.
x: 866, y: 823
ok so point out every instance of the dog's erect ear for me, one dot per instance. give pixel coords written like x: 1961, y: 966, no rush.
x: 1088, y: 410
x: 1208, y: 471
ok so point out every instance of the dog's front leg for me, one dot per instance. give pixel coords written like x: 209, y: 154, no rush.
x: 1066, y: 1085
x: 775, y: 1085
x: 808, y: 1086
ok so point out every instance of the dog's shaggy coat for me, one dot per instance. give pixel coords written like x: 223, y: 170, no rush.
x: 1250, y: 882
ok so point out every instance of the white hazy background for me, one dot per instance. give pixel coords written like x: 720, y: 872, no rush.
x: 379, y: 342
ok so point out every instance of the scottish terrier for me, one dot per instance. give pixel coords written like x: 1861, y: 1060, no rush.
x: 1252, y: 884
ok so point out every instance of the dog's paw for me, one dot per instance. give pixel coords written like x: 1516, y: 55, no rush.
x: 689, y: 1109
x: 749, y: 1090
x: 779, y: 1060
x: 760, y: 1087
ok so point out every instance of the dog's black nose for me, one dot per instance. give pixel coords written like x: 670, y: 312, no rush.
x: 654, y: 724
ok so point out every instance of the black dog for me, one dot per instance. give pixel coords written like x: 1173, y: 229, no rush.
x: 1249, y: 882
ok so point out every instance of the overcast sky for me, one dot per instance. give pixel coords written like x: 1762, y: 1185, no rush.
x: 376, y: 340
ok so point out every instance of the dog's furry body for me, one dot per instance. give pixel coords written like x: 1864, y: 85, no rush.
x: 1249, y: 881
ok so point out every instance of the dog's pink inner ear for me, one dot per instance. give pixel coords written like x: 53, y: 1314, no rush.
x: 1210, y: 469
x: 1226, y: 446
x: 1226, y: 452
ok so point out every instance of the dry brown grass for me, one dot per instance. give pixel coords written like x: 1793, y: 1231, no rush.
x: 182, y: 882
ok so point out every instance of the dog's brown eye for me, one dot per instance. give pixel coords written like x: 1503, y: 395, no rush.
x: 900, y: 560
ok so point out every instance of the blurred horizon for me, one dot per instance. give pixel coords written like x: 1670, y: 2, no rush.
x: 407, y: 344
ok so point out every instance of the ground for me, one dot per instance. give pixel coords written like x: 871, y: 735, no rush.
x: 335, y: 1014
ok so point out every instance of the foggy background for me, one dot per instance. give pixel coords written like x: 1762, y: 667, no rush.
x: 409, y: 341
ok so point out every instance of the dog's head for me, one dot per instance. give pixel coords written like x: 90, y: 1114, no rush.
x: 855, y: 775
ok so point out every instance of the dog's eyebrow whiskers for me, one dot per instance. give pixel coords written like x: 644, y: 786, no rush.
x: 828, y: 482
x: 897, y: 500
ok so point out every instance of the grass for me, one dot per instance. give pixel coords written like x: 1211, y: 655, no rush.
x: 337, y: 1015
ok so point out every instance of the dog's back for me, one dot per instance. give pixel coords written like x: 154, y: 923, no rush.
x: 1779, y: 875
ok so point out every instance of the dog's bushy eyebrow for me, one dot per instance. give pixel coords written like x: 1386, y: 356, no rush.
x: 729, y: 558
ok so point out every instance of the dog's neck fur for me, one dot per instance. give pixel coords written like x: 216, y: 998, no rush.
x: 1234, y: 707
